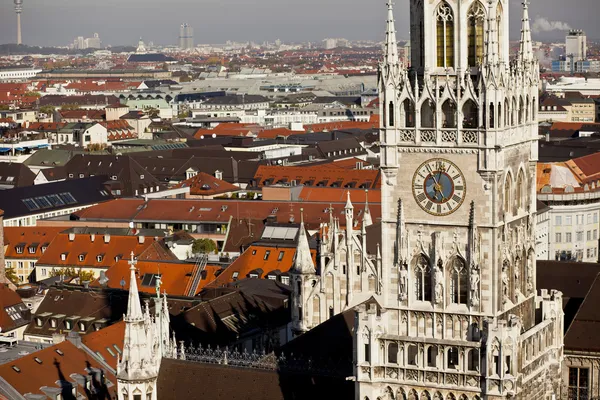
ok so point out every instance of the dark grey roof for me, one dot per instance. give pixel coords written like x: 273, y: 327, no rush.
x: 149, y: 58
x: 237, y: 100
x: 88, y: 99
x: 156, y: 83
x: 38, y: 199
x: 48, y: 158
x: 15, y: 175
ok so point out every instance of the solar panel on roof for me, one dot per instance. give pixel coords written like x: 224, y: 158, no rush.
x: 55, y: 200
x: 68, y: 198
x: 43, y: 202
x: 31, y: 204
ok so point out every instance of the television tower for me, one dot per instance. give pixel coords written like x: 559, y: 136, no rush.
x: 19, y: 10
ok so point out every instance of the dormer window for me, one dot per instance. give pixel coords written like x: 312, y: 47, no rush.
x: 63, y: 256
x: 38, y: 321
x: 141, y: 176
x: 82, y: 257
x: 285, y: 280
x: 20, y: 249
x: 114, y: 177
x: 235, y: 275
x: 53, y: 323
x: 100, y: 257
x: 32, y: 249
x: 68, y: 325
x: 267, y: 254
x: 44, y: 249
x: 82, y: 327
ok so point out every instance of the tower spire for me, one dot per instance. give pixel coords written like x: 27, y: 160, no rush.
x: 526, y: 47
x: 134, y: 307
x: 367, y: 220
x: 491, y: 56
x: 303, y: 263
x: 391, y: 45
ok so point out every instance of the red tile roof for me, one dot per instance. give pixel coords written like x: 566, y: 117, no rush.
x: 97, y: 115
x: 338, y: 125
x: 216, y: 210
x: 96, y: 253
x: 7, y: 298
x: 204, y: 184
x: 339, y: 195
x: 107, y: 338
x: 26, y: 236
x: 27, y: 375
x: 317, y: 176
x: 175, y: 276
x: 277, y: 258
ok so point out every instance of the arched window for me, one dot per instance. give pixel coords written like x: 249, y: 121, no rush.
x: 412, y: 355
x: 422, y: 279
x: 520, y: 195
x: 432, y: 354
x: 452, y: 358
x: 473, y: 360
x: 393, y: 353
x: 521, y: 111
x: 459, y: 285
x: 391, y: 114
x: 513, y: 114
x: 533, y: 109
x: 449, y: 114
x: 500, y: 115
x: 409, y: 113
x: 506, y: 113
x: 476, y: 18
x: 470, y: 115
x: 445, y: 36
x: 527, y: 107
x: 500, y: 31
x: 492, y: 116
x: 507, y: 193
x: 427, y: 115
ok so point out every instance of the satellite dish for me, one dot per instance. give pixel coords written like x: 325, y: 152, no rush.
x: 122, y: 283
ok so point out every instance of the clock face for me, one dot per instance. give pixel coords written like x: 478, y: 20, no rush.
x: 439, y: 187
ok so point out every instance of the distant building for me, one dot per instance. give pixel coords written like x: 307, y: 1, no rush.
x: 82, y: 43
x: 576, y: 45
x: 186, y: 37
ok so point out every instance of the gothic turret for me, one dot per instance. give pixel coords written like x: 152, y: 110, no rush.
x: 137, y: 370
x: 367, y: 219
x: 391, y: 45
x: 303, y: 262
x: 526, y: 47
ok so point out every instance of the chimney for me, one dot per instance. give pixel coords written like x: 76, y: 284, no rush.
x: 141, y: 239
x: 92, y: 237
x: 75, y: 338
x: 107, y: 238
x: 58, y: 338
x: 71, y: 236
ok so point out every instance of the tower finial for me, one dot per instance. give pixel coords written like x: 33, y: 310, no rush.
x: 391, y: 45
x: 367, y: 220
x: 525, y: 46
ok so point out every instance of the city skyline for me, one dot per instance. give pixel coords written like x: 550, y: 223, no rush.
x: 214, y: 23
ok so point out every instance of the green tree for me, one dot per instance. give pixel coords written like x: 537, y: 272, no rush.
x: 4, y: 107
x: 153, y: 112
x: 49, y: 110
x: 32, y: 94
x: 68, y: 107
x: 204, y: 246
x: 71, y: 272
x: 11, y: 275
x: 183, y: 115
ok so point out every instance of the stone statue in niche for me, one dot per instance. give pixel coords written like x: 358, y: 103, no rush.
x: 474, y: 285
x: 439, y: 282
x: 403, y: 282
x: 505, y: 283
x: 530, y: 273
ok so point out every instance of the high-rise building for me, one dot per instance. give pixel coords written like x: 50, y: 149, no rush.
x: 576, y: 45
x: 448, y: 306
x: 19, y: 10
x: 93, y: 42
x: 186, y: 37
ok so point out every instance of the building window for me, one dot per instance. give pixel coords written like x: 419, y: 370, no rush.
x: 507, y: 193
x: 476, y: 18
x: 458, y: 284
x: 423, y: 279
x: 568, y: 220
x: 280, y: 256
x: 445, y: 36
x: 558, y: 238
x: 580, y: 236
x: 578, y: 383
x: 267, y: 254
x: 393, y: 353
x: 568, y: 237
x: 452, y: 357
x: 558, y: 220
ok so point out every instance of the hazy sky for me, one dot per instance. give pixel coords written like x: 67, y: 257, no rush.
x: 121, y: 22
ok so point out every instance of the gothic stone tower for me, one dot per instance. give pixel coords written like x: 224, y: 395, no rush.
x: 459, y: 316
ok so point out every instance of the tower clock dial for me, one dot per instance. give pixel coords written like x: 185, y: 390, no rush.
x: 439, y: 187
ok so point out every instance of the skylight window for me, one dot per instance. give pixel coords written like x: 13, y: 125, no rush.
x: 31, y: 204
x: 68, y: 198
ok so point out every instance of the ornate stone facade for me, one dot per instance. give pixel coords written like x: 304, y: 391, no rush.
x: 147, y: 341
x: 457, y: 313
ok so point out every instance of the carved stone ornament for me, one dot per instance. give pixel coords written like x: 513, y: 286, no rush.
x: 505, y: 282
x: 403, y: 282
x: 474, y: 285
x: 439, y: 283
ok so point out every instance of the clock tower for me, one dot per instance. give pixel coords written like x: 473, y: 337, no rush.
x: 459, y: 316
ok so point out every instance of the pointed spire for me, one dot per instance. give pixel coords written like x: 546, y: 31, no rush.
x: 348, y: 202
x: 391, y: 45
x: 491, y: 36
x: 526, y: 47
x: 367, y: 219
x: 134, y: 307
x: 303, y: 262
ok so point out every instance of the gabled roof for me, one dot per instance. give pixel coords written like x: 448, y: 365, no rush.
x: 71, y: 194
x: 102, y: 252
x: 174, y: 276
x: 15, y: 175
x: 583, y: 334
x: 13, y: 313
x: 204, y: 184
x: 31, y: 238
x: 55, y: 367
x: 338, y: 195
x: 267, y: 175
x: 260, y: 260
x: 107, y: 342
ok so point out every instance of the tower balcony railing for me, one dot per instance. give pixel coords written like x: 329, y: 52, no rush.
x: 443, y: 137
x: 426, y: 376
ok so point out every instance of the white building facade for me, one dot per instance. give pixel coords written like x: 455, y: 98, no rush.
x: 448, y: 307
